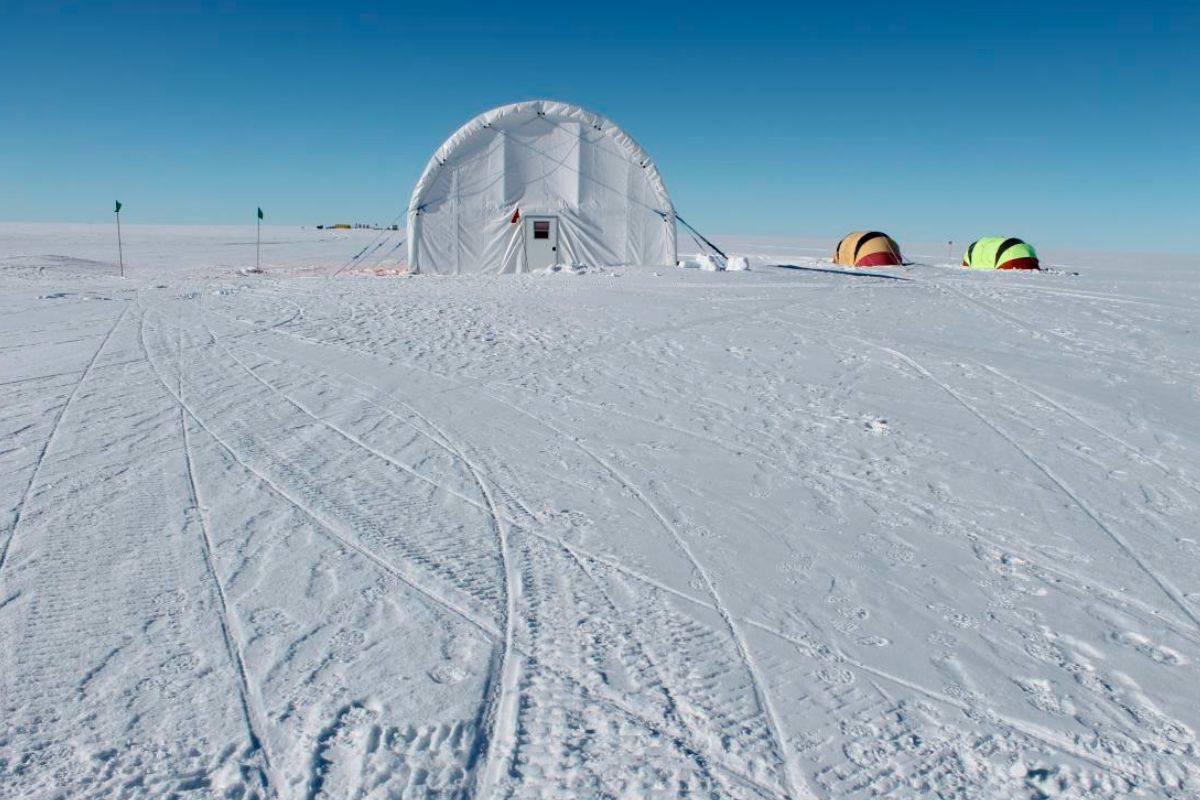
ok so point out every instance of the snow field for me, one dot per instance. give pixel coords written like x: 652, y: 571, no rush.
x: 783, y: 533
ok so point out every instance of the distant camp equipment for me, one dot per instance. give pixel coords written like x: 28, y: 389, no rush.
x: 997, y: 252
x: 120, y: 252
x: 530, y: 185
x: 867, y: 249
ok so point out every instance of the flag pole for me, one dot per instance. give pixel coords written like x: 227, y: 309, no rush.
x: 120, y: 251
x: 258, y: 242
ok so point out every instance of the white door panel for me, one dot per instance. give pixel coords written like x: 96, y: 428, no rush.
x: 541, y: 242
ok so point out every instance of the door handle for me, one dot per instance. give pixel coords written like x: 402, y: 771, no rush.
x: 554, y: 249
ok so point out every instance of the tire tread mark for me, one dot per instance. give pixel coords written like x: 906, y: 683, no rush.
x: 443, y: 439
x: 500, y: 717
x: 499, y: 708
x: 1167, y: 588
x: 792, y: 782
x: 41, y: 458
x: 1137, y: 451
x: 610, y: 563
x: 330, y: 528
x: 1016, y: 725
x: 613, y: 702
x: 251, y: 708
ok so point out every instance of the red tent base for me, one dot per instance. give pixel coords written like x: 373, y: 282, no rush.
x: 1016, y: 263
x: 878, y: 260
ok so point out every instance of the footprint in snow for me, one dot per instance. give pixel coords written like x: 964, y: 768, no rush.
x: 943, y: 639
x: 179, y: 664
x: 448, y: 674
x: 346, y: 645
x: 877, y: 426
x: 272, y: 622
x: 1159, y: 653
x: 839, y: 676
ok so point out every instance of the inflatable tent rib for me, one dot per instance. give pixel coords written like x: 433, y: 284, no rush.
x: 996, y: 252
x: 867, y: 249
x: 538, y: 183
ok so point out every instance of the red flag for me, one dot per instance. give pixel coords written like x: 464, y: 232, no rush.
x: 516, y: 217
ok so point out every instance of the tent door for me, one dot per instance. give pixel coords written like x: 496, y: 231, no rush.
x: 541, y: 242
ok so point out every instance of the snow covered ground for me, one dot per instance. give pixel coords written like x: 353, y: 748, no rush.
x: 626, y: 533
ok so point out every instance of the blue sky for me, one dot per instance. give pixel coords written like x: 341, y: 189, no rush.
x: 1067, y: 124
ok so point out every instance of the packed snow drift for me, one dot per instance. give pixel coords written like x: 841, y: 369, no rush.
x: 792, y: 531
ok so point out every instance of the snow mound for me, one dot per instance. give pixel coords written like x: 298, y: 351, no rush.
x: 737, y: 264
x: 568, y: 269
x: 703, y: 262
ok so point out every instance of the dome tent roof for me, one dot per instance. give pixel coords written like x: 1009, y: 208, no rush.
x: 867, y: 249
x: 539, y: 157
x: 998, y: 252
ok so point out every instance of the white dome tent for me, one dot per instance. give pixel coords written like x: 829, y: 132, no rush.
x: 533, y: 184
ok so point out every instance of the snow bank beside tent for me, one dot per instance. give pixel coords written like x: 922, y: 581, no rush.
x: 714, y: 262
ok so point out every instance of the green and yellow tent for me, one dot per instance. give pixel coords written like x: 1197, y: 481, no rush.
x: 997, y: 252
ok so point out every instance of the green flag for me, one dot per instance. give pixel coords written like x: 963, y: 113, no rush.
x: 260, y: 214
x: 117, y: 210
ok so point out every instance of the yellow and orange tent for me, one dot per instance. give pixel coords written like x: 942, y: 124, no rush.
x: 867, y: 249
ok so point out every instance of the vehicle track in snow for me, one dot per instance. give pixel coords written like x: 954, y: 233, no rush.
x: 634, y: 638
x: 1092, y: 349
x: 899, y: 681
x: 1107, y: 298
x: 577, y: 552
x: 41, y: 456
x: 1133, y: 450
x: 1087, y: 585
x: 34, y: 378
x: 113, y: 624
x: 733, y: 447
x: 340, y: 431
x: 296, y: 314
x: 251, y: 703
x: 501, y: 699
x: 500, y: 715
x: 332, y: 528
x: 793, y: 783
x: 427, y: 554
x: 1017, y: 726
x: 497, y: 632
x: 709, y: 606
x: 345, y: 540
x: 1165, y: 585
x: 441, y: 438
x: 1081, y: 581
